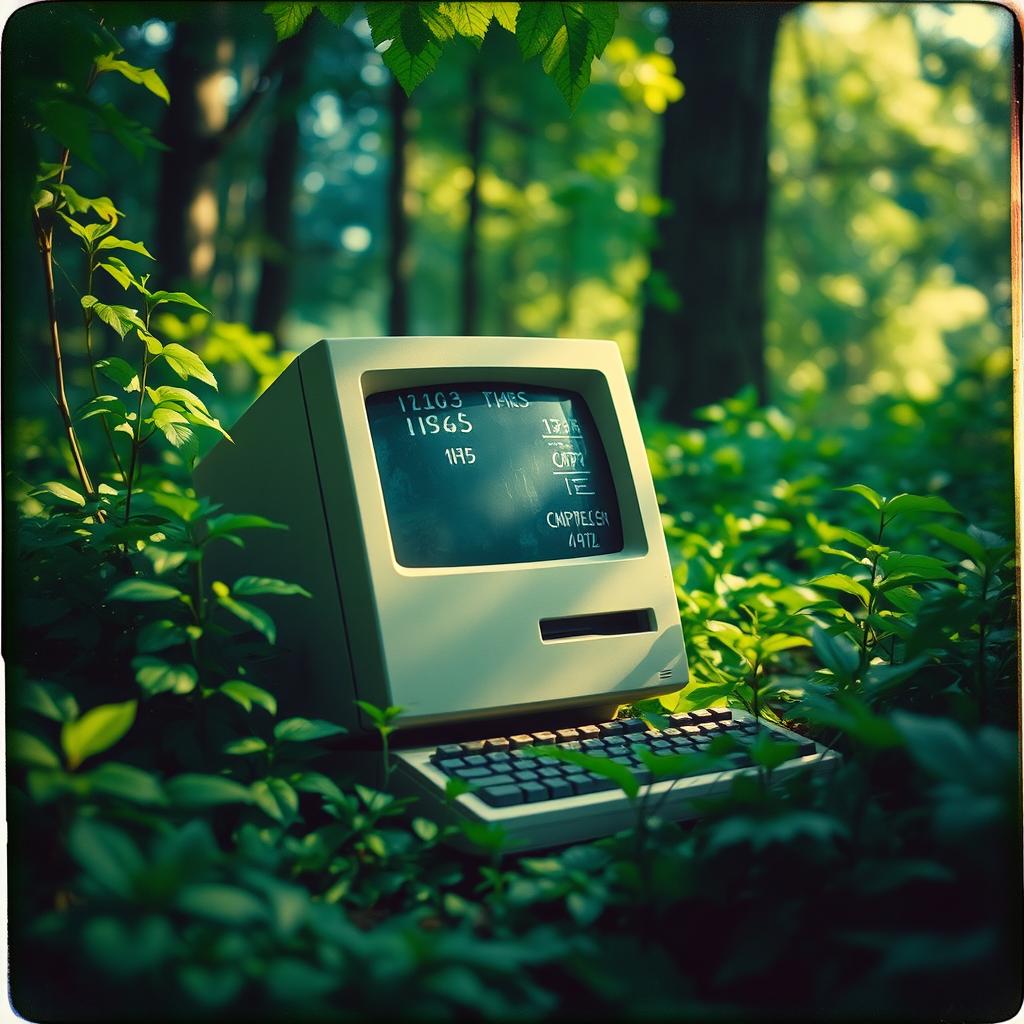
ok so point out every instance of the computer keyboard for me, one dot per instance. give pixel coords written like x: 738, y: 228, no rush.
x: 543, y: 800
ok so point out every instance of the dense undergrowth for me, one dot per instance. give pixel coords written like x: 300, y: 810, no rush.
x: 180, y: 849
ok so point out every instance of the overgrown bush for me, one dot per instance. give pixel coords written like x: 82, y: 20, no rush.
x: 177, y: 848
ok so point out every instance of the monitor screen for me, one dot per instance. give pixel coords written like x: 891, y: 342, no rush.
x: 492, y: 473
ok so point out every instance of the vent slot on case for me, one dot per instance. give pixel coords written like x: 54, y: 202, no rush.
x: 577, y: 627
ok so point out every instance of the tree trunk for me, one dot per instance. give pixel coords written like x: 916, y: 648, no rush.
x: 399, y: 254
x: 280, y: 167
x: 705, y: 341
x: 187, y: 215
x: 470, y: 299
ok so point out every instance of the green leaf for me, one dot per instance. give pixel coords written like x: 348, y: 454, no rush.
x: 425, y: 830
x: 181, y: 298
x: 252, y: 616
x: 901, y: 570
x: 568, y: 37
x: 25, y: 748
x: 119, y: 271
x: 102, y: 206
x: 47, y: 699
x: 196, y: 790
x: 840, y: 581
x: 302, y: 730
x: 872, y: 497
x: 120, y: 371
x: 97, y: 730
x: 146, y: 77
x: 288, y: 18
x: 158, y: 636
x: 144, y: 590
x: 903, y: 503
x: 245, y: 746
x: 228, y: 524
x: 413, y: 52
x: 123, y: 243
x: 106, y: 854
x: 173, y: 425
x: 770, y: 753
x: 246, y: 694
x: 246, y: 585
x: 186, y: 363
x: 153, y: 345
x: 225, y: 904
x: 782, y: 642
x: 836, y: 653
x: 121, y: 318
x: 63, y: 492
x: 68, y: 124
x: 473, y: 19
x: 155, y: 676
x: 336, y: 13
x: 127, y: 782
x: 961, y: 541
x: 103, y: 405
x: 276, y: 799
x: 941, y: 747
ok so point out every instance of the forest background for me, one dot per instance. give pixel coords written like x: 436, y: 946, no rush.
x: 794, y: 219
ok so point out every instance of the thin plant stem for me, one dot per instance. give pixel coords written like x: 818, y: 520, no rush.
x: 136, y: 444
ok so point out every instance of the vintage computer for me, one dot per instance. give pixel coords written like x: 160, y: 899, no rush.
x: 477, y: 522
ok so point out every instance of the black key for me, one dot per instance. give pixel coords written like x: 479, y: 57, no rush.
x: 722, y: 714
x: 550, y: 773
x: 610, y: 728
x: 661, y: 746
x: 502, y: 796
x: 567, y: 734
x: 545, y: 737
x: 615, y: 742
x: 681, y: 719
x: 449, y: 764
x: 497, y: 743
x: 448, y: 750
x: 594, y: 744
x: 589, y: 731
x: 633, y: 724
x: 534, y: 791
x: 498, y: 780
x: 473, y: 746
x: 472, y: 774
x: 526, y: 776
x: 476, y: 760
x: 681, y: 743
x: 558, y: 788
x: 522, y: 739
x: 591, y: 783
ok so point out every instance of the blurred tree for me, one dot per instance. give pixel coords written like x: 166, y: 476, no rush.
x: 702, y: 333
x: 279, y: 170
x: 474, y: 152
x: 399, y: 263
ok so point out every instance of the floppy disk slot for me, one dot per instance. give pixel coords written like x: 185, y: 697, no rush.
x: 574, y: 627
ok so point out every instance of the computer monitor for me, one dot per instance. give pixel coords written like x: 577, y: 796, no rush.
x: 476, y: 521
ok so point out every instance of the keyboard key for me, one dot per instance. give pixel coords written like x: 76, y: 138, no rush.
x: 633, y: 724
x: 571, y: 745
x: 591, y: 783
x: 599, y: 752
x: 497, y: 743
x: 476, y: 760
x: 502, y: 796
x: 525, y: 776
x: 653, y: 734
x: 592, y: 744
x: 643, y: 775
x: 449, y: 764
x: 572, y: 769
x: 547, y: 762
x: 498, y: 780
x: 520, y: 754
x: 671, y: 731
x: 611, y: 728
x: 623, y: 760
x: 692, y: 730
x: 589, y: 731
x: 704, y: 715
x: 549, y: 773
x: 472, y: 774
x: 473, y: 746
x: 448, y: 750
x: 523, y: 739
x: 558, y: 788
x: 545, y: 737
x: 807, y: 747
x: 722, y: 714
x: 533, y: 791
x: 681, y: 718
x: 567, y: 734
